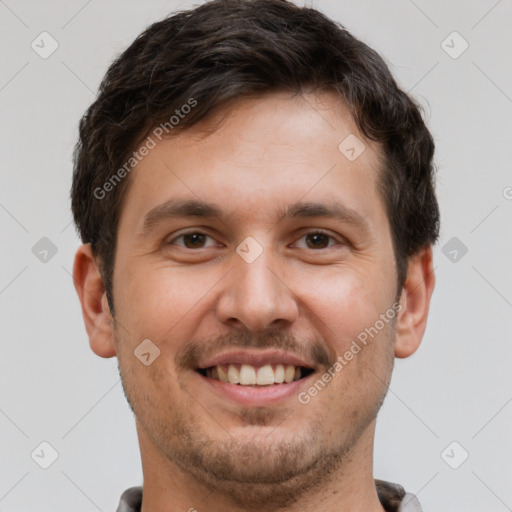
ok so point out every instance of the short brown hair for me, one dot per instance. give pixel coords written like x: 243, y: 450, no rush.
x: 228, y: 49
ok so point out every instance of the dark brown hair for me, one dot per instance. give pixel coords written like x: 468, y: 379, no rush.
x: 228, y: 49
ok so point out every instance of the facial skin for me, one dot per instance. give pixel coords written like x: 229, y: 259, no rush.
x: 196, y: 298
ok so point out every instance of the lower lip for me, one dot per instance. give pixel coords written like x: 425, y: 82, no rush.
x: 256, y: 395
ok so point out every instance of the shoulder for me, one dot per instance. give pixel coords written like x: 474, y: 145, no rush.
x: 394, y: 498
x: 131, y: 500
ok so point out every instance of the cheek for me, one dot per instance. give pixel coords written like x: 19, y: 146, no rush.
x: 346, y: 301
x: 152, y: 391
x: 163, y: 303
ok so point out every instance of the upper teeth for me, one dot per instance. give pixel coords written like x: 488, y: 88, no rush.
x: 249, y: 375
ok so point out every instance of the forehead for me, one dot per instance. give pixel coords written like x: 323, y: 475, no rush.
x: 258, y: 158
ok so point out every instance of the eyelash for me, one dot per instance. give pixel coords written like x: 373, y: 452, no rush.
x: 309, y: 233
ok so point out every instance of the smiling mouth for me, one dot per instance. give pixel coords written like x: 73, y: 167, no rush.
x: 249, y: 375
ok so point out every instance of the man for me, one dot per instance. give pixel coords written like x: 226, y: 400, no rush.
x: 255, y: 196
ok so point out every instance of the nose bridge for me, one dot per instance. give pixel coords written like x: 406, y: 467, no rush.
x: 257, y: 280
x: 254, y: 294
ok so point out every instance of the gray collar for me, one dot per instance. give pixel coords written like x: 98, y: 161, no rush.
x: 392, y: 496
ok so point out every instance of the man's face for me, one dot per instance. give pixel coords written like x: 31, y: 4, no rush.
x: 290, y: 295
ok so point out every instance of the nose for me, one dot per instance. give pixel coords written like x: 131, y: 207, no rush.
x: 255, y: 295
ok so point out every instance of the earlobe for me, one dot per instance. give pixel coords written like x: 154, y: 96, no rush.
x: 415, y: 303
x: 95, y: 309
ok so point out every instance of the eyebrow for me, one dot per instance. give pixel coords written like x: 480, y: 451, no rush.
x: 180, y: 208
x: 332, y: 210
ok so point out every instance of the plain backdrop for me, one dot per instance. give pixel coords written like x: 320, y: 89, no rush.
x: 452, y: 399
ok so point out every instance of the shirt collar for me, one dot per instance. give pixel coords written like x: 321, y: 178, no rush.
x: 392, y: 497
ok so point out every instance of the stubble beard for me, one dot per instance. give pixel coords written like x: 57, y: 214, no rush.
x: 269, y: 471
x: 253, y: 473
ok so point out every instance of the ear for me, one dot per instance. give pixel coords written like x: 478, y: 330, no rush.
x: 95, y: 309
x: 415, y: 302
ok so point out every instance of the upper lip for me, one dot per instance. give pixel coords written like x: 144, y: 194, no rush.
x: 255, y: 358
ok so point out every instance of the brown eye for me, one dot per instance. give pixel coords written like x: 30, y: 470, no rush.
x: 317, y: 240
x: 193, y: 240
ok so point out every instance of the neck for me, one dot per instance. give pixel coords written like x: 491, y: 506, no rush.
x: 350, y: 487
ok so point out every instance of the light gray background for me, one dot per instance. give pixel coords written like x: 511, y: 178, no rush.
x: 456, y: 388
